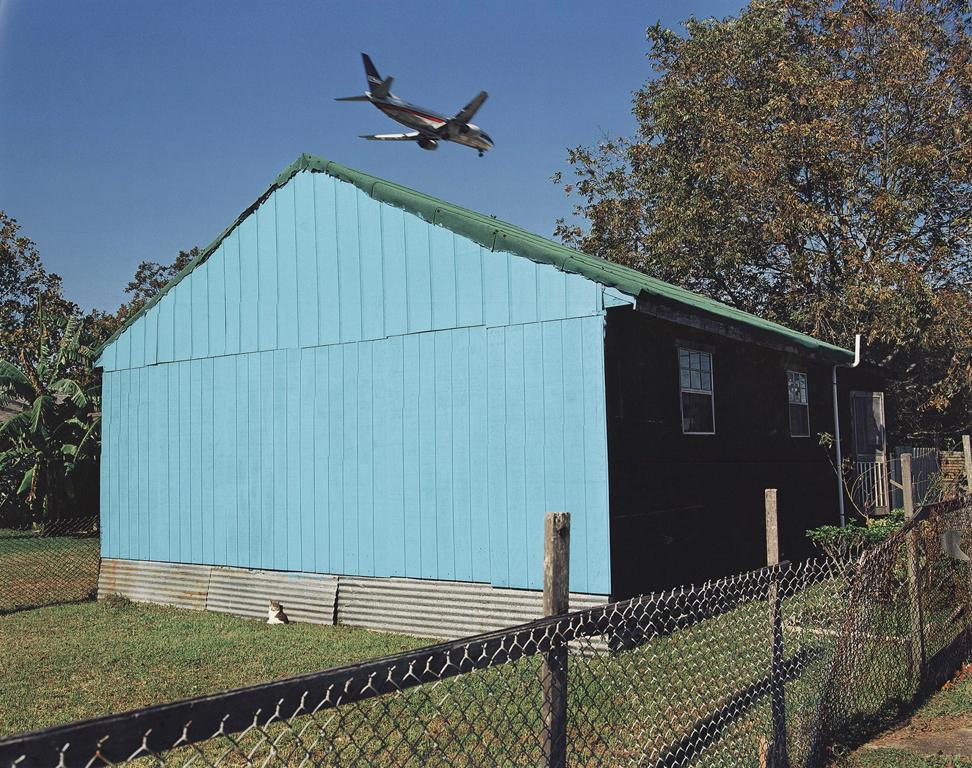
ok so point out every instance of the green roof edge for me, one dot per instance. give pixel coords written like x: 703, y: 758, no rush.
x: 499, y: 236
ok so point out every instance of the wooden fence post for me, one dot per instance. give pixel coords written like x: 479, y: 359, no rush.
x: 556, y: 587
x: 914, y: 591
x: 776, y: 750
x: 967, y: 453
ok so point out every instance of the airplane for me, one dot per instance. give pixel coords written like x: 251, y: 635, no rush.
x: 429, y: 127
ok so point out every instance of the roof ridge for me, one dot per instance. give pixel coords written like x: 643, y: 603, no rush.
x: 497, y: 235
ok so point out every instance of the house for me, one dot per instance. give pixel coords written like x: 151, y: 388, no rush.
x: 364, y: 399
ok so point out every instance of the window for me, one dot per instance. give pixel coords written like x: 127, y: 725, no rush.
x: 796, y: 385
x: 695, y: 382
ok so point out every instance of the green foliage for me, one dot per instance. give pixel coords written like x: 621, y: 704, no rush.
x: 49, y: 447
x: 850, y: 541
x: 808, y: 161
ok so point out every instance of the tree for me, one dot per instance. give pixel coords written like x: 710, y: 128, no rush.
x: 49, y: 449
x: 24, y: 286
x: 151, y: 277
x: 808, y: 161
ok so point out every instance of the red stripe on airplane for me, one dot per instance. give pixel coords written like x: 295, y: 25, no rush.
x: 413, y: 112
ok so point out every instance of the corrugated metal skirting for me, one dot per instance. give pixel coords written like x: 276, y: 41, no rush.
x: 426, y: 608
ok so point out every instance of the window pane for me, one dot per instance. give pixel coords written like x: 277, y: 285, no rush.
x: 799, y: 420
x: 797, y: 387
x: 696, y: 380
x: 707, y: 381
x: 685, y: 378
x: 696, y: 412
x: 683, y: 358
x: 706, y: 362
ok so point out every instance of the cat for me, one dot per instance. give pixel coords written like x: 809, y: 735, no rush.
x: 276, y: 615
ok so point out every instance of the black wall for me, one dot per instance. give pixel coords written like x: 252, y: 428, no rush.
x: 685, y: 508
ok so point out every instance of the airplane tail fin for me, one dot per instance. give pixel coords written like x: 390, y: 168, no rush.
x: 378, y: 87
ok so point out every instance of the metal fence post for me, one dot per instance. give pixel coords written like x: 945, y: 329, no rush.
x: 914, y: 592
x: 967, y: 453
x: 776, y: 756
x: 556, y: 581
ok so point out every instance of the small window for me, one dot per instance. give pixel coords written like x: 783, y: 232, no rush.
x: 695, y: 383
x: 796, y: 385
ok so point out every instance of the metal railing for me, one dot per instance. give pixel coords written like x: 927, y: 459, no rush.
x: 769, y: 667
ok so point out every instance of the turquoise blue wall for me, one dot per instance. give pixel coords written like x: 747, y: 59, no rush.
x: 344, y: 388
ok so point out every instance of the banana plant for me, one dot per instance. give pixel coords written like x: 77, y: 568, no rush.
x: 49, y: 448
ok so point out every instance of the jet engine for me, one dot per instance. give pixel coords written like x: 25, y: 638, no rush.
x: 429, y: 144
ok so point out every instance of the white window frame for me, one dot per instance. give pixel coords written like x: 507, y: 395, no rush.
x: 789, y: 402
x: 711, y: 392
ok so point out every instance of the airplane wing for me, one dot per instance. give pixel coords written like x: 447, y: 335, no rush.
x: 465, y: 114
x: 410, y: 136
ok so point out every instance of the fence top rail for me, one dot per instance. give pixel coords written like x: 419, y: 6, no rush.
x: 157, y: 728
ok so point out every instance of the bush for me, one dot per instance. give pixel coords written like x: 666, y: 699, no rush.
x: 850, y: 541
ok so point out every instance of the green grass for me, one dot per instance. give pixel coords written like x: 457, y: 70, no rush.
x: 37, y: 570
x: 69, y: 662
x: 897, y: 758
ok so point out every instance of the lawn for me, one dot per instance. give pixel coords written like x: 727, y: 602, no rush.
x: 939, y: 726
x: 68, y: 662
x: 41, y: 570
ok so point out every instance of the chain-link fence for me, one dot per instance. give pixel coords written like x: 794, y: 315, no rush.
x: 770, y: 667
x: 56, y: 562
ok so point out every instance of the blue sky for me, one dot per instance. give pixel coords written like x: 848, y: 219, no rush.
x: 130, y: 129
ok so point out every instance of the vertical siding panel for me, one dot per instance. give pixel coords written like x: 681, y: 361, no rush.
x: 389, y: 435
x: 286, y: 256
x: 182, y: 321
x: 537, y: 503
x: 417, y: 274
x: 307, y: 296
x: 268, y: 271
x: 250, y: 286
x: 469, y: 282
x: 294, y: 417
x: 335, y: 471
x: 351, y: 510
x: 195, y: 461
x: 198, y: 283
x: 366, y: 460
x: 144, y: 498
x: 322, y: 443
x: 111, y: 450
x: 185, y: 460
x: 443, y: 425
x: 328, y: 274
x: 411, y: 419
x: 278, y: 501
x: 496, y: 288
x: 123, y: 351
x: 125, y: 453
x: 260, y: 448
x: 349, y: 264
x: 523, y: 290
x: 552, y: 292
x: 305, y: 424
x: 518, y: 382
x: 216, y: 284
x: 394, y: 282
x: 575, y: 437
x: 207, y: 462
x: 246, y: 430
x: 428, y: 530
x: 151, y: 321
x: 108, y: 357
x: 370, y: 257
x: 174, y: 420
x: 478, y: 455
x: 461, y: 467
x: 595, y: 459
x: 158, y: 461
x: 232, y: 298
x: 554, y: 438
x: 442, y: 259
x: 105, y: 500
x: 136, y: 345
x: 165, y: 328
x: 223, y: 508
x: 499, y: 565
x: 583, y: 296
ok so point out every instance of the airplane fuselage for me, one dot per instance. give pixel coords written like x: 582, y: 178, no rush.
x: 431, y: 124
